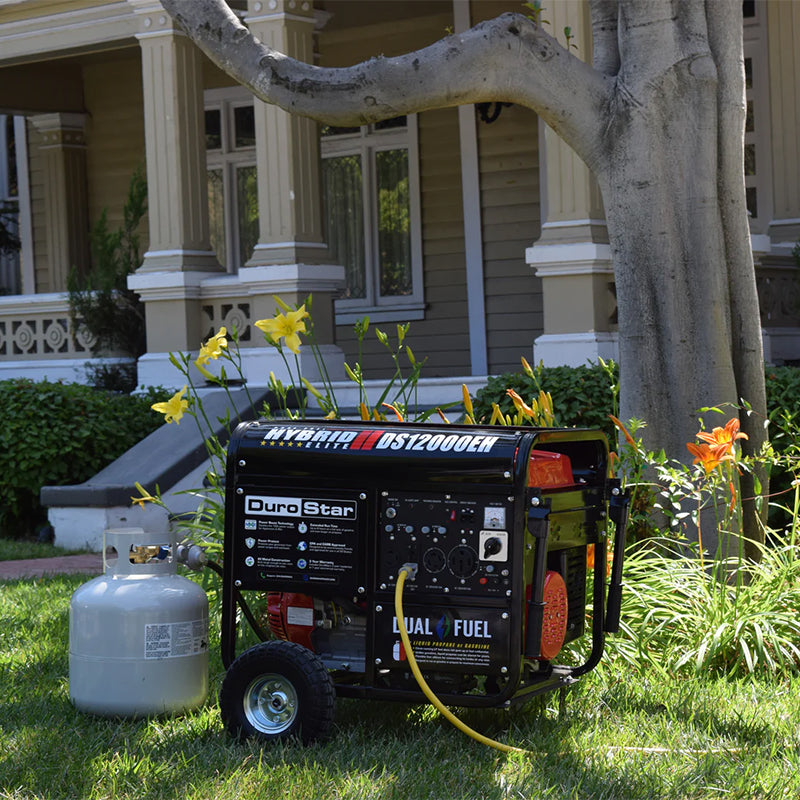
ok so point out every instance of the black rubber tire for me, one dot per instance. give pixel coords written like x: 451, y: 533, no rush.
x: 278, y: 690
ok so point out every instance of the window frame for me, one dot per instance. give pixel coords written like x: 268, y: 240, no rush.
x: 755, y: 49
x: 228, y: 159
x: 366, y: 143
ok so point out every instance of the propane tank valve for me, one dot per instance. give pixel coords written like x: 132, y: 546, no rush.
x: 191, y: 556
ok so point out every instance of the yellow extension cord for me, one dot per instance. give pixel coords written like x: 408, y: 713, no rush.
x: 426, y: 690
x: 479, y: 737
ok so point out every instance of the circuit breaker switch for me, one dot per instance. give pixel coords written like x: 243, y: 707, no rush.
x: 493, y: 545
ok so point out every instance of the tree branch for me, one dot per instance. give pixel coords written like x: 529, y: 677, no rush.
x: 605, y: 41
x: 508, y: 59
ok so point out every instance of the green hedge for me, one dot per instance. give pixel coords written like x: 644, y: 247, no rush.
x: 59, y: 434
x: 582, y: 396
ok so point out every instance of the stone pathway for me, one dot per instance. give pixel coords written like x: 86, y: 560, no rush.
x: 86, y: 564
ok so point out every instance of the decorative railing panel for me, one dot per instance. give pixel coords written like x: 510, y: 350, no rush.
x: 37, y: 327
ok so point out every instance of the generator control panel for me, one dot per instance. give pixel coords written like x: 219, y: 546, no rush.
x: 460, y: 541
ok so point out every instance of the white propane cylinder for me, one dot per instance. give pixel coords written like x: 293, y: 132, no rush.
x: 138, y: 634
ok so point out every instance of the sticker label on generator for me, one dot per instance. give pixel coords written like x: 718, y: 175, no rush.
x: 449, y: 639
x: 175, y: 639
x: 289, y: 540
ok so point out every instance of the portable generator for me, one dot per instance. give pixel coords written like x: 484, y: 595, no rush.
x: 491, y: 526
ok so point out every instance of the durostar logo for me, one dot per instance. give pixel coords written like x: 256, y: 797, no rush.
x: 270, y: 506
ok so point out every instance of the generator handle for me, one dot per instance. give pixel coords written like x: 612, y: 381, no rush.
x: 598, y: 605
x: 618, y: 507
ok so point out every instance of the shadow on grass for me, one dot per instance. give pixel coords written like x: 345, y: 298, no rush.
x: 377, y: 749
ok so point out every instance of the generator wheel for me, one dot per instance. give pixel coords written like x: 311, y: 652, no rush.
x: 277, y: 690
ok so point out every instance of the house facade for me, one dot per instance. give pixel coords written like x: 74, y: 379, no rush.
x: 475, y: 224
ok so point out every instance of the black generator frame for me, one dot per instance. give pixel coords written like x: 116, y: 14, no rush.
x: 534, y: 509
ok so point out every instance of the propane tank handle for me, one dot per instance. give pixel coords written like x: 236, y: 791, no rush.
x: 124, y: 540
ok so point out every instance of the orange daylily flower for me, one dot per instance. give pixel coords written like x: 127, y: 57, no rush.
x: 628, y: 438
x: 519, y: 403
x: 396, y: 411
x: 709, y: 457
x: 722, y: 439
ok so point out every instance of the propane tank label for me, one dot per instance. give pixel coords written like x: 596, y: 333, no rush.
x: 175, y: 639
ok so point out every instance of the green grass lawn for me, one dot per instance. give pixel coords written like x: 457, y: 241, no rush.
x: 13, y: 549
x: 620, y: 735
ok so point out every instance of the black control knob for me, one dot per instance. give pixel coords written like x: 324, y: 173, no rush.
x: 492, y: 546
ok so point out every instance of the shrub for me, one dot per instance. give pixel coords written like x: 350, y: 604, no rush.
x: 582, y: 396
x: 58, y: 434
x: 101, y: 302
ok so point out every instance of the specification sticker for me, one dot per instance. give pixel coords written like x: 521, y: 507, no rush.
x: 295, y: 542
x: 175, y: 639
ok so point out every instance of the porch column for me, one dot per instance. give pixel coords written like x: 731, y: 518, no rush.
x: 66, y: 228
x: 572, y: 256
x: 179, y: 255
x: 291, y: 258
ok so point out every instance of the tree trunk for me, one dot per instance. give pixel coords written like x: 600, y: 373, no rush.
x: 659, y: 118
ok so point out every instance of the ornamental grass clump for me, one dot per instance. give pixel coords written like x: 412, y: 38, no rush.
x: 680, y: 617
x: 689, y: 611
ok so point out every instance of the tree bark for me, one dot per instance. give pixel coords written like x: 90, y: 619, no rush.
x: 658, y: 117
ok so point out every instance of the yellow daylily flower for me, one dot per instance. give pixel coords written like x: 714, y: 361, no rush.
x: 497, y: 416
x: 145, y: 496
x: 527, y: 367
x: 286, y: 326
x: 212, y: 348
x: 313, y: 389
x: 465, y: 396
x: 173, y: 408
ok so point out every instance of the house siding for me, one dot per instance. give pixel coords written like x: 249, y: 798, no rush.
x: 509, y: 181
x: 114, y: 134
x: 42, y: 278
x: 441, y: 337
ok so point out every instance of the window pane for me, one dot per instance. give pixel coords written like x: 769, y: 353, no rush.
x: 11, y: 158
x: 344, y: 219
x: 394, y: 239
x: 332, y: 130
x: 749, y: 159
x: 748, y: 73
x: 388, y: 124
x: 216, y: 214
x: 247, y: 206
x: 244, y: 124
x: 213, y: 129
x: 752, y: 201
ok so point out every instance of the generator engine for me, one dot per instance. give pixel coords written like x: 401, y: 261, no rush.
x: 494, y: 523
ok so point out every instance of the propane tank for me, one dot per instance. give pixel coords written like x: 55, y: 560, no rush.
x: 138, y: 634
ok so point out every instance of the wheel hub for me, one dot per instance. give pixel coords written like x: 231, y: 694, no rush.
x: 270, y: 704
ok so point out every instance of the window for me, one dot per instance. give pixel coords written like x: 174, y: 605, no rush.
x: 757, y: 156
x: 370, y: 184
x: 10, y: 279
x: 232, y: 181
